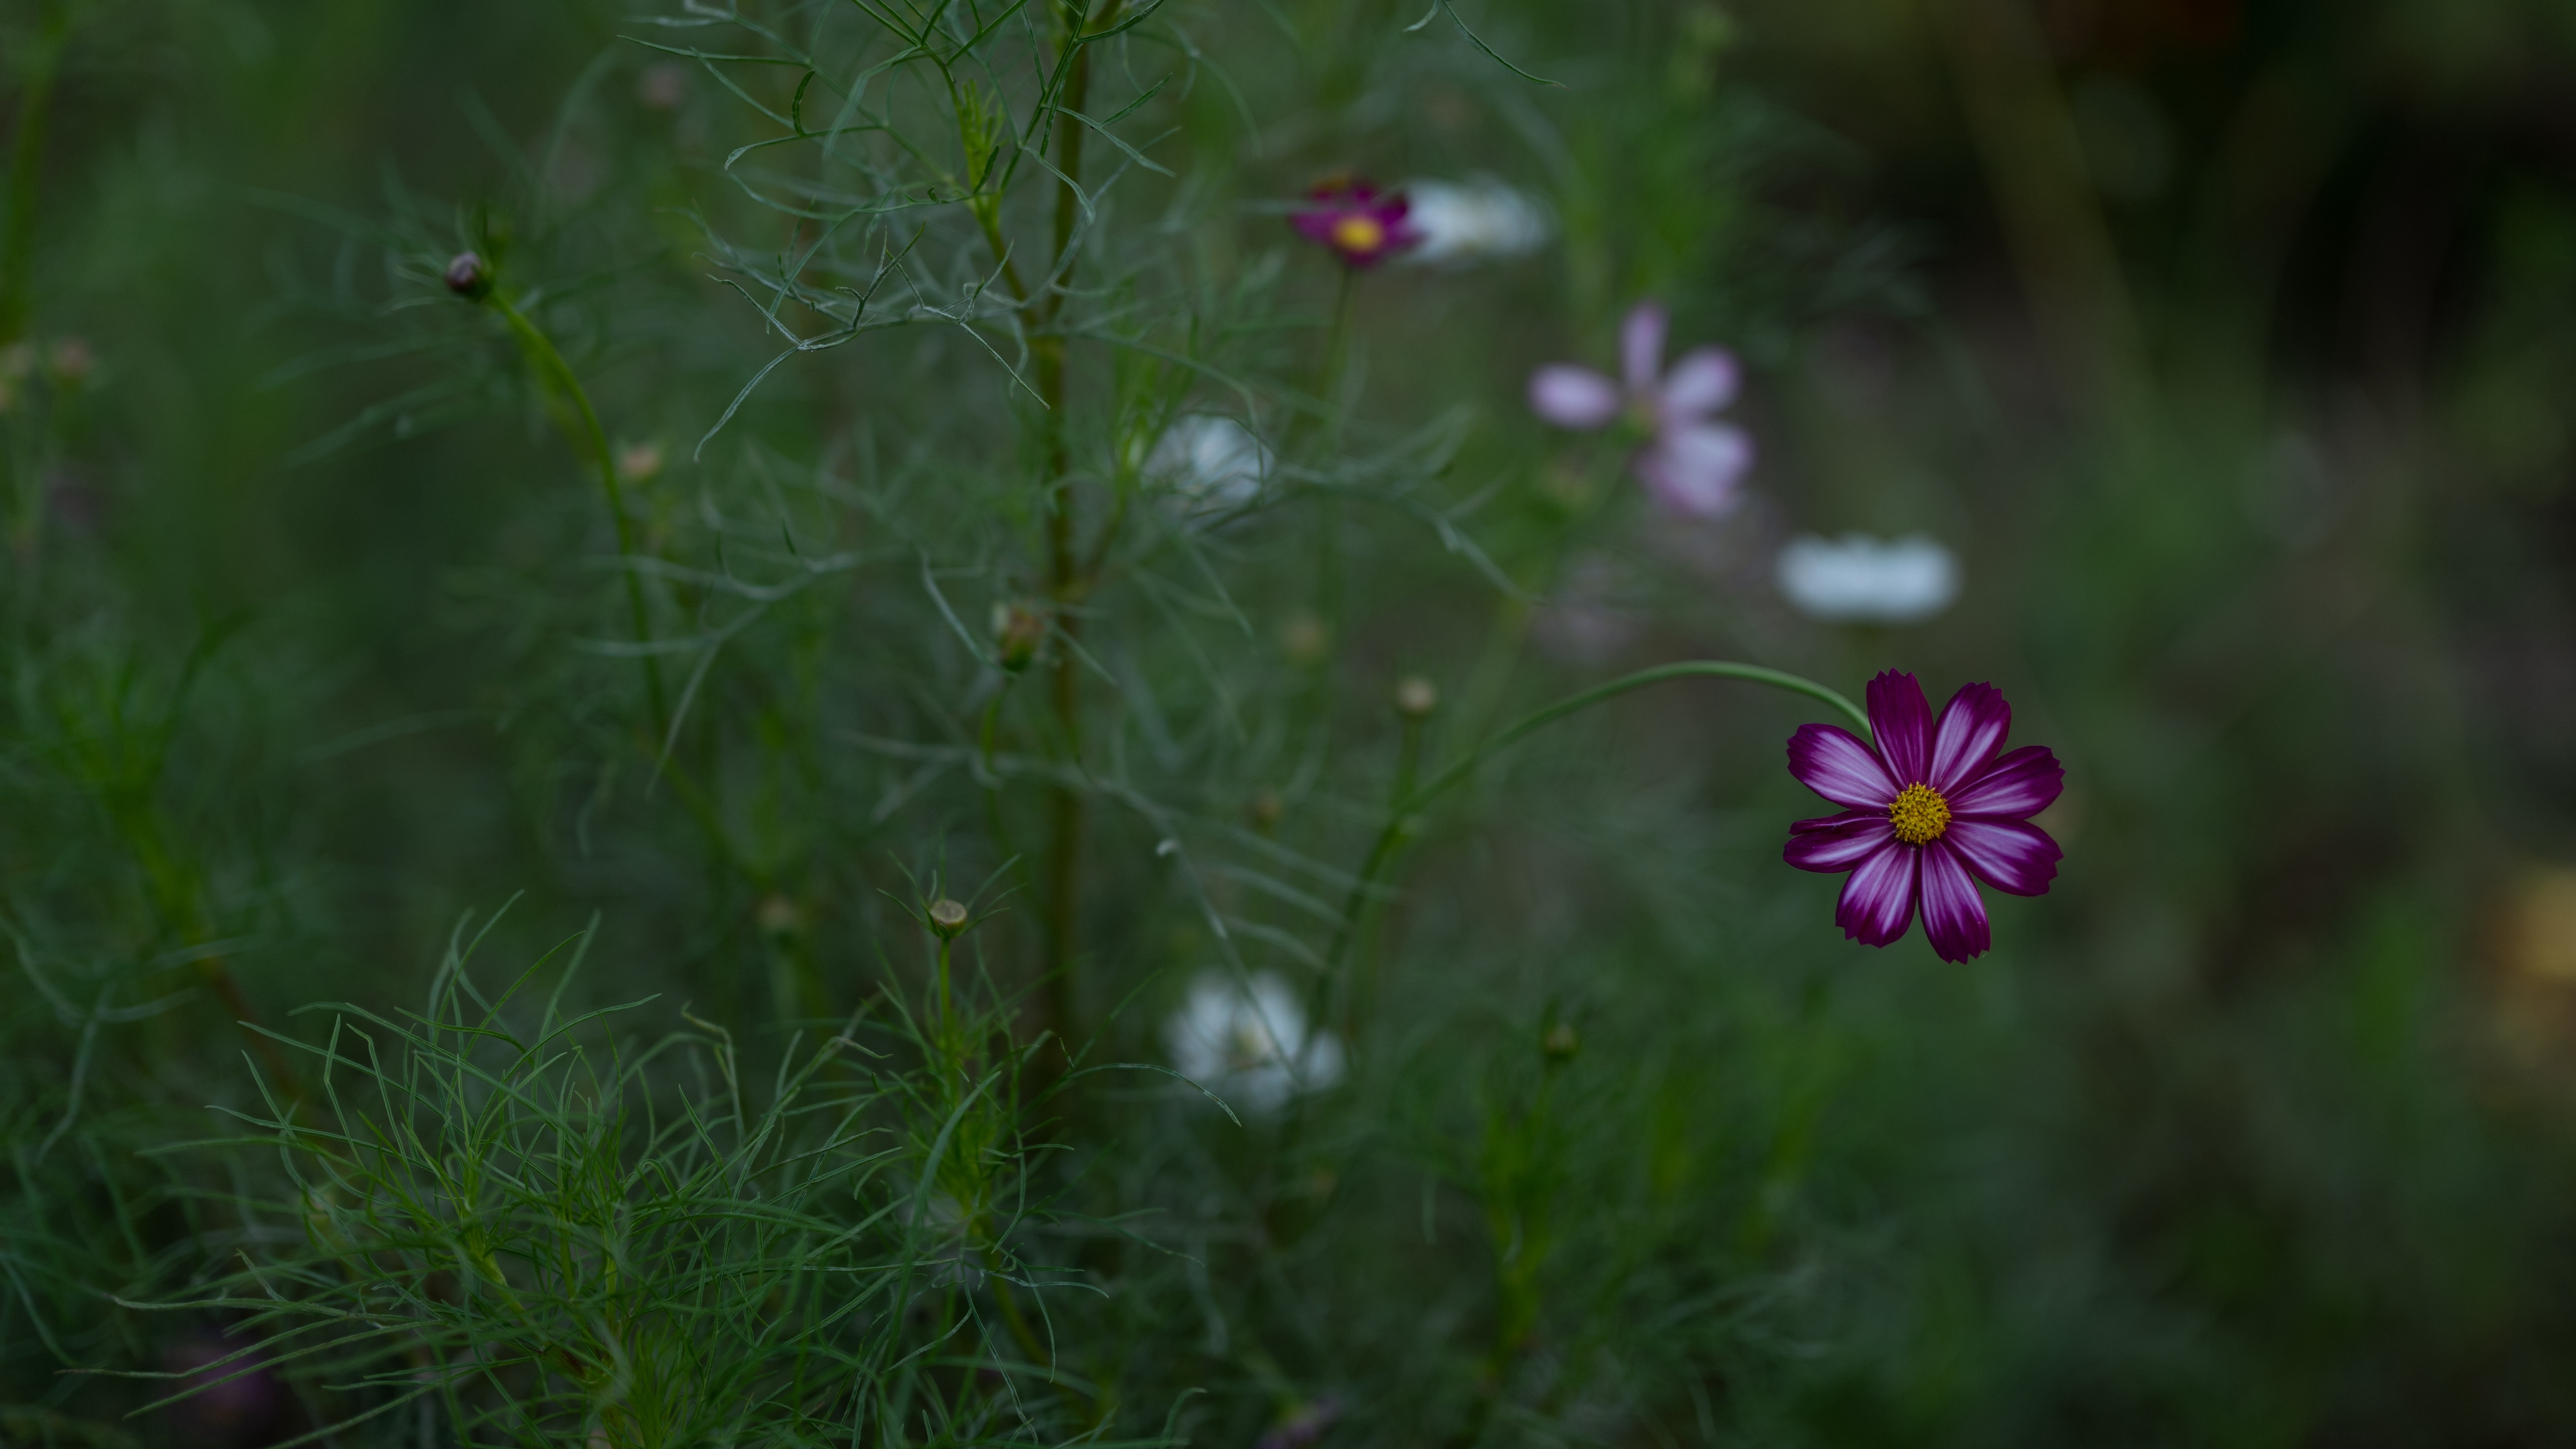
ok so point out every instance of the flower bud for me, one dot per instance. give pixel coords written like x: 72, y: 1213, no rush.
x: 776, y: 915
x: 947, y: 917
x: 662, y: 87
x: 1267, y: 807
x: 1018, y: 630
x: 639, y: 463
x: 1305, y: 638
x: 71, y: 360
x: 1560, y: 1044
x: 468, y: 278
x: 1416, y: 697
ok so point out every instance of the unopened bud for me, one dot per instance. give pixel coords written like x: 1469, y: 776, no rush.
x: 947, y: 917
x: 1416, y: 697
x: 1018, y: 630
x: 1305, y: 638
x: 662, y: 87
x: 468, y: 278
x: 641, y: 463
x: 1267, y: 807
x: 776, y: 915
x: 1560, y: 1044
x: 71, y: 360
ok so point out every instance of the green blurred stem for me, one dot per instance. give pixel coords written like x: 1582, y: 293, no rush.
x: 2051, y: 210
x: 591, y: 440
x: 39, y: 64
x: 1328, y: 522
x: 1410, y: 803
x: 1337, y: 354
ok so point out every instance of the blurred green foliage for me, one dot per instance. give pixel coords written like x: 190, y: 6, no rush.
x: 2226, y: 343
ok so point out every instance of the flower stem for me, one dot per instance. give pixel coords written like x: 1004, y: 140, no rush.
x: 580, y: 423
x: 1408, y: 804
x: 1337, y: 356
x: 591, y: 440
x: 1066, y: 579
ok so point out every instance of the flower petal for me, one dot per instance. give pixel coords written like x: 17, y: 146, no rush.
x: 1573, y: 397
x: 1902, y: 721
x: 1833, y: 763
x: 1878, y: 901
x: 1316, y: 223
x: 1641, y: 345
x: 2014, y: 856
x: 1837, y: 842
x: 1693, y: 471
x: 2019, y: 785
x: 1973, y: 725
x: 1701, y: 383
x: 1954, y: 915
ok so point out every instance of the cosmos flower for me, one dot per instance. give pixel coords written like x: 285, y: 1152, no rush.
x: 1248, y: 1042
x: 1211, y: 464
x: 1462, y: 223
x: 1690, y: 463
x: 1361, y: 224
x: 1929, y: 812
x: 1861, y: 580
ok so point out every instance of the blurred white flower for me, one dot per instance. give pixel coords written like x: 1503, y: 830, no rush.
x: 1863, y: 580
x: 1210, y: 464
x: 1248, y: 1042
x: 1462, y: 223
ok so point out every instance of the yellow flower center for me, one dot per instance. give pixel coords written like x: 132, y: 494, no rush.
x: 1359, y: 235
x: 1919, y: 814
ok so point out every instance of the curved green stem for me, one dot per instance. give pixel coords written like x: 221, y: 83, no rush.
x: 590, y: 439
x: 1408, y: 803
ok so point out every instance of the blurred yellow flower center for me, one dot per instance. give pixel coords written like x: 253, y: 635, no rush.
x: 1919, y: 814
x: 1358, y: 234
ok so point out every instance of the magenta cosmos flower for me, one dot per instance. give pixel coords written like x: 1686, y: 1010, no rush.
x: 1361, y: 224
x: 1930, y: 812
x: 1691, y: 463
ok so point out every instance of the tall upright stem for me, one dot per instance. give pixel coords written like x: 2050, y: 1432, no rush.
x: 1328, y: 513
x: 1067, y: 581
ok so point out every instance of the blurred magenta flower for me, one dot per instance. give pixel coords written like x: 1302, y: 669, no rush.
x: 1931, y: 811
x: 1361, y: 224
x: 1690, y: 463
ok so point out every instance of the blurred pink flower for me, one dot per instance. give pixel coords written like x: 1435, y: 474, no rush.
x: 1354, y: 220
x: 1690, y: 463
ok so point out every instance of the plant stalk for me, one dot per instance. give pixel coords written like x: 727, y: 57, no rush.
x: 591, y: 440
x: 1408, y: 804
x: 1067, y: 581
